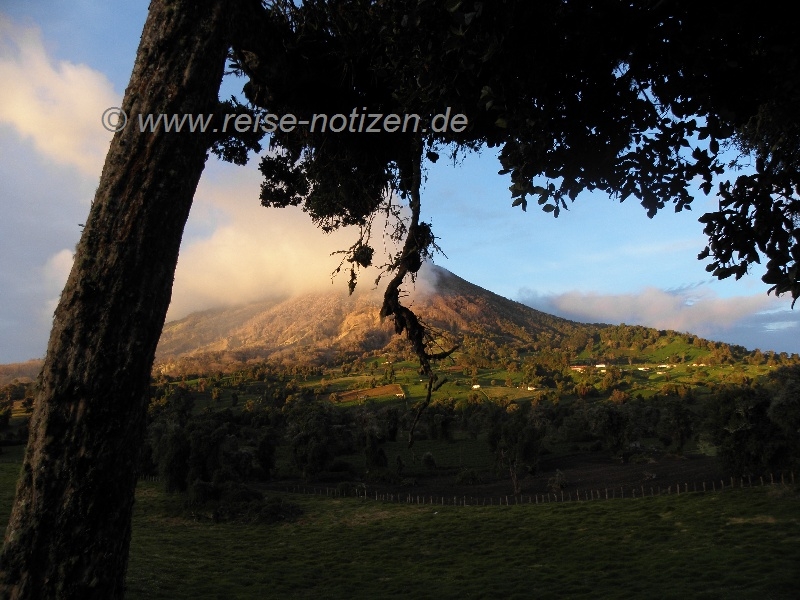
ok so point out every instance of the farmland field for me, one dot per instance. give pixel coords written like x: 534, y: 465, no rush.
x: 392, y: 390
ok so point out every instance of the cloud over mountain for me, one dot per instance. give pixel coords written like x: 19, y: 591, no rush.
x: 697, y: 309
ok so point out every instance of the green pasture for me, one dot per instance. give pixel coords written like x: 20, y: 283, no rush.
x: 738, y: 544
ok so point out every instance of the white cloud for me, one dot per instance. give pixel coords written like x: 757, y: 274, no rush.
x: 56, y: 270
x: 695, y: 309
x: 54, y: 277
x: 56, y: 105
x: 256, y: 252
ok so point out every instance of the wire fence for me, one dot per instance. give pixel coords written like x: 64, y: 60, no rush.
x: 560, y: 496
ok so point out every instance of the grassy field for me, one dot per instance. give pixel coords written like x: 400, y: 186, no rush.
x: 737, y: 544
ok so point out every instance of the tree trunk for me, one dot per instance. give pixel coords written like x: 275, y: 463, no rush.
x: 69, y: 532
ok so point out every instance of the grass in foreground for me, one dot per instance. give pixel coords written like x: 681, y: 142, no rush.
x: 740, y: 544
x: 737, y: 544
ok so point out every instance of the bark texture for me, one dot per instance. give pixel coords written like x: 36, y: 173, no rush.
x: 69, y: 532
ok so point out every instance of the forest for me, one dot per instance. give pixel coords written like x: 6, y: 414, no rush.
x: 624, y: 403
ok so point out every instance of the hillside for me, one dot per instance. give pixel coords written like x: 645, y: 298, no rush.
x: 330, y: 327
x: 24, y: 372
x: 318, y: 326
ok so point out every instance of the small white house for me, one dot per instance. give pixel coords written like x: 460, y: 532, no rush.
x: 476, y: 386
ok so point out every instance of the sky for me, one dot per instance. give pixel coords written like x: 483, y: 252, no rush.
x: 62, y: 64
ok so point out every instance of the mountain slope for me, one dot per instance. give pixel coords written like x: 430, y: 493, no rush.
x: 317, y: 325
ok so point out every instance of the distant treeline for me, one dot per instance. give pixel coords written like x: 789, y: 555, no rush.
x: 213, y: 454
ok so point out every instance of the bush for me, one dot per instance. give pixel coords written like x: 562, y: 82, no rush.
x: 265, y: 454
x: 374, y: 455
x: 428, y: 461
x: 640, y: 458
x: 234, y: 492
x: 173, y: 464
x: 5, y: 416
x: 270, y: 510
x: 468, y: 477
x: 347, y: 488
x: 558, y: 482
x: 385, y: 476
x: 202, y: 492
x: 340, y: 466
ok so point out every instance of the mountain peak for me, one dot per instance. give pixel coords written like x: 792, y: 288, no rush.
x: 318, y: 326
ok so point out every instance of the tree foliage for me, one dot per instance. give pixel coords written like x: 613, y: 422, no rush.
x: 632, y: 99
x: 756, y: 428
